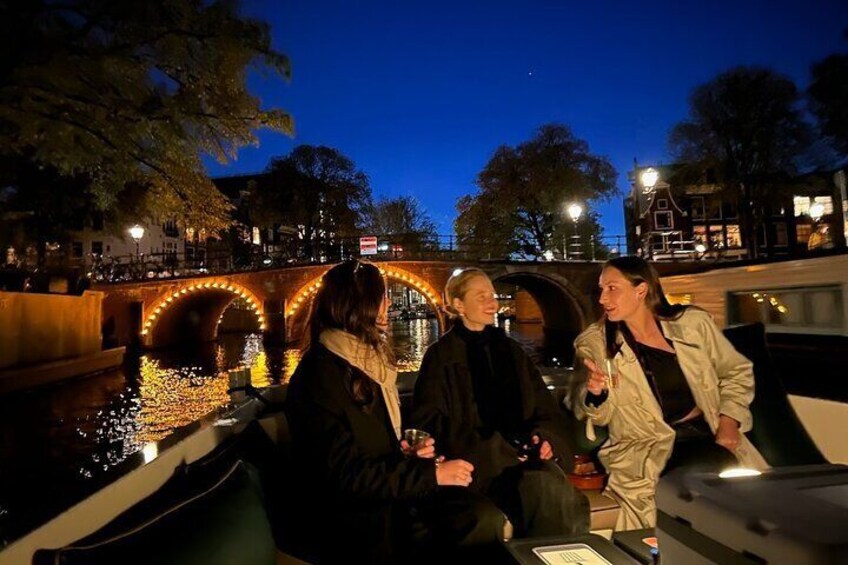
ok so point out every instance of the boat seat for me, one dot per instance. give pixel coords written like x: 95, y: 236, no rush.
x: 777, y: 432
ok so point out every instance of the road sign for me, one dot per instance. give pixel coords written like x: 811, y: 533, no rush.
x: 368, y: 245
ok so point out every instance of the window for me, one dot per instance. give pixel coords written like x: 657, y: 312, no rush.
x: 716, y: 237
x: 663, y: 220
x: 803, y: 232
x: 662, y: 204
x: 699, y: 234
x: 698, y: 208
x: 728, y: 209
x: 802, y: 205
x: 257, y: 236
x: 781, y: 236
x: 734, y: 237
x: 97, y: 247
x: 818, y: 308
x: 76, y: 249
x: 714, y: 209
x: 825, y: 201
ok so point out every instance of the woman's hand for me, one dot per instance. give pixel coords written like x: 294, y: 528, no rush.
x: 545, y: 451
x: 455, y: 472
x: 424, y: 449
x: 597, y: 379
x: 727, y: 434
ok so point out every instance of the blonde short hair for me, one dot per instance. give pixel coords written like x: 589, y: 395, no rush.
x: 457, y: 286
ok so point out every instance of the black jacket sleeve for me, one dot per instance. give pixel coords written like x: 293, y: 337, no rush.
x: 546, y: 419
x: 316, y: 410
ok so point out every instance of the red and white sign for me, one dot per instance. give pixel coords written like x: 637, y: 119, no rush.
x: 368, y: 245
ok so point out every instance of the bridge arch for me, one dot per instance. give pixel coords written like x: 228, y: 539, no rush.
x: 565, y: 307
x: 299, y: 303
x: 194, y: 310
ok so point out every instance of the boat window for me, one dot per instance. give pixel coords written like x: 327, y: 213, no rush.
x: 791, y: 309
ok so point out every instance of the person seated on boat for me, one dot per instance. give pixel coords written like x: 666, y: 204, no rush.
x: 671, y: 389
x: 480, y: 395
x: 366, y: 495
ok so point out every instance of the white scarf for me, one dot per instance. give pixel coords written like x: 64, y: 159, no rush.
x: 366, y: 359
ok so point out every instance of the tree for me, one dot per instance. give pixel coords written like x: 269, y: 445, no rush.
x: 745, y: 127
x: 403, y: 219
x: 828, y: 97
x: 320, y: 191
x: 134, y: 92
x: 524, y: 190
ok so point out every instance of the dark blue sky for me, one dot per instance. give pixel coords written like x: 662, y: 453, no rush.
x: 420, y: 93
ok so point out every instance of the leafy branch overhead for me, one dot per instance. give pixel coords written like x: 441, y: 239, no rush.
x: 135, y: 92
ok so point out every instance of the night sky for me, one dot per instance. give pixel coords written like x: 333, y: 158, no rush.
x: 420, y: 93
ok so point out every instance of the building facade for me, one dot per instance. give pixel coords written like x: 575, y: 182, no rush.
x: 669, y: 216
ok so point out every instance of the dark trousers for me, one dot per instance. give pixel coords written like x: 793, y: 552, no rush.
x: 454, y: 524
x: 540, y: 501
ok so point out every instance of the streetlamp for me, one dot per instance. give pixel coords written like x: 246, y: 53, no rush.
x: 574, y: 212
x: 136, y: 232
x: 649, y: 178
x: 816, y: 212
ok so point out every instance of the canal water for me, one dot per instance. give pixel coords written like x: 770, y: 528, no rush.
x: 63, y: 440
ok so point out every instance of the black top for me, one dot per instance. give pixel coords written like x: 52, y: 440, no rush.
x: 494, y: 381
x: 667, y: 382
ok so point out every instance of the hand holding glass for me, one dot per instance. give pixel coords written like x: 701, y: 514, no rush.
x: 415, y: 440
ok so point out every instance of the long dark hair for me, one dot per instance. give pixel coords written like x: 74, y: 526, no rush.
x: 349, y: 299
x: 636, y: 270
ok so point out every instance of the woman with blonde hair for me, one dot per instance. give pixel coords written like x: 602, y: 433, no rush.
x: 359, y: 482
x: 479, y: 394
x: 667, y: 383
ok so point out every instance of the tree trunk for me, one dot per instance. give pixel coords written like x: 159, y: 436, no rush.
x: 748, y: 226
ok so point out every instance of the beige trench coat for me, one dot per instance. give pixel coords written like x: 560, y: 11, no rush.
x: 640, y: 442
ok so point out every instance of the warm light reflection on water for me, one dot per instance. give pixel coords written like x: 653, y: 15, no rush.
x: 173, y: 389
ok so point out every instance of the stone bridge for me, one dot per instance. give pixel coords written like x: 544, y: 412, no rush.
x: 160, y: 313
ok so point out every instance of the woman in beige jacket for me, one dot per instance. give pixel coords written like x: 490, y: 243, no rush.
x: 667, y: 383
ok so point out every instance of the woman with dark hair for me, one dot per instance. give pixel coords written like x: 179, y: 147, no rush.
x: 667, y: 383
x: 359, y: 479
x: 481, y: 397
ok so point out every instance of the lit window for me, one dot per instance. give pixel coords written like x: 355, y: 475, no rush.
x: 825, y: 201
x: 734, y: 237
x: 716, y: 237
x: 257, y: 237
x: 802, y: 206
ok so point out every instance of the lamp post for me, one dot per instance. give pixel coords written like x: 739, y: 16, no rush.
x: 574, y: 212
x: 136, y: 232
